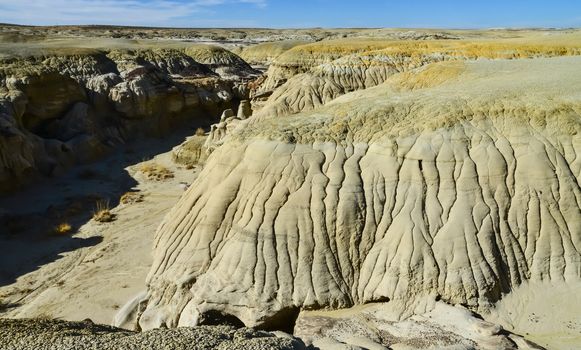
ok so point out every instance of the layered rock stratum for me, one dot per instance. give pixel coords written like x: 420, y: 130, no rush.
x: 457, y: 189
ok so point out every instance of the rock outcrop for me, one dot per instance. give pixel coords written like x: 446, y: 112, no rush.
x: 299, y: 59
x: 223, y: 62
x: 69, y: 108
x: 324, y: 83
x: 456, y: 189
x: 228, y: 123
x: 375, y: 327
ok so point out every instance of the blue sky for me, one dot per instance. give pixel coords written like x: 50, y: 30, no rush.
x: 298, y: 13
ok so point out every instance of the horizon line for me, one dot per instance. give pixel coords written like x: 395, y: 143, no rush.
x: 284, y: 28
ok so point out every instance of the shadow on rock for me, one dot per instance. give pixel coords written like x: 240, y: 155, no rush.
x: 41, y: 222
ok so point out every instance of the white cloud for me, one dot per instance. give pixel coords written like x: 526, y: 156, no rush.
x: 191, y: 13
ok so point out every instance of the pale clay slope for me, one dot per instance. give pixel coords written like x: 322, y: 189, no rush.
x: 461, y: 191
x: 546, y: 313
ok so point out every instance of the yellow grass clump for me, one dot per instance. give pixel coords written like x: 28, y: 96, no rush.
x: 63, y: 228
x: 156, y: 172
x: 103, y: 213
x: 131, y: 198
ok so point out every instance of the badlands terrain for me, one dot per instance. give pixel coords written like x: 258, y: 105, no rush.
x: 289, y: 189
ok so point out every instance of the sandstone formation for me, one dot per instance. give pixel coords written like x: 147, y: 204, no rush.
x: 325, y: 82
x: 301, y: 58
x: 63, y: 109
x: 60, y: 335
x: 456, y: 187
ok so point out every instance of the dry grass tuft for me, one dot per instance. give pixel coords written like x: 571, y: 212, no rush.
x: 103, y: 212
x: 62, y: 228
x: 154, y: 171
x: 131, y: 198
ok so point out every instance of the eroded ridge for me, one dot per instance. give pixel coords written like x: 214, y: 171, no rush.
x: 324, y: 83
x: 458, y: 192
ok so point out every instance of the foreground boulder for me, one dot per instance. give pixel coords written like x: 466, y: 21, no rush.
x: 458, y: 191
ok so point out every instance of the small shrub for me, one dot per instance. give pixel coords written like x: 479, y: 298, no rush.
x: 62, y: 228
x: 103, y: 212
x: 200, y: 132
x: 154, y: 171
x: 131, y: 198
